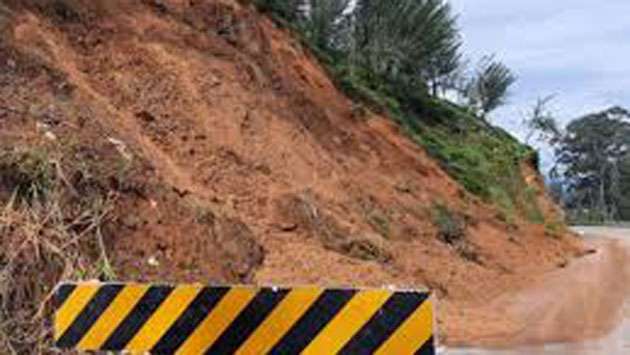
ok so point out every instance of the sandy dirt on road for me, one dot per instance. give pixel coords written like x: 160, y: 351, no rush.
x: 581, y: 302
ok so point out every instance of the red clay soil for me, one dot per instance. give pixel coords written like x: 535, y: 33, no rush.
x: 249, y: 165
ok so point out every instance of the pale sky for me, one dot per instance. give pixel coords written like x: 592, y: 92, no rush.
x: 578, y: 50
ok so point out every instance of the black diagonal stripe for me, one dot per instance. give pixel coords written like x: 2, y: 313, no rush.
x: 62, y: 293
x: 312, y: 322
x: 247, y: 321
x: 428, y: 348
x: 138, y: 316
x: 88, y: 316
x: 384, y: 323
x: 186, y: 324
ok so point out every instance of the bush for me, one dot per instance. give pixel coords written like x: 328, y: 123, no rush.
x: 554, y: 229
x: 451, y: 226
x: 29, y: 174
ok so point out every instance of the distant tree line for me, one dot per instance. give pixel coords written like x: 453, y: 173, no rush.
x: 413, y: 46
x: 594, y: 155
x: 592, y: 162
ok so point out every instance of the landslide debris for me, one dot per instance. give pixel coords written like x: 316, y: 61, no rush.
x: 181, y: 141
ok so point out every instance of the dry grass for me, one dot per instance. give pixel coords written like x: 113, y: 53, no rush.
x: 48, y: 233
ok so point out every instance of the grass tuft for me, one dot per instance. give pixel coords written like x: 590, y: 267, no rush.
x: 49, y: 234
x: 451, y: 225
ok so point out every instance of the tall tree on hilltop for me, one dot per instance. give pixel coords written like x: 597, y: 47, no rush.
x: 414, y: 42
x: 289, y: 10
x: 489, y: 88
x: 541, y: 122
x: 323, y: 22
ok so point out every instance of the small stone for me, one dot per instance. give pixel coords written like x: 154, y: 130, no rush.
x: 50, y: 136
x: 153, y: 261
x: 42, y: 127
x: 288, y: 227
x: 121, y: 147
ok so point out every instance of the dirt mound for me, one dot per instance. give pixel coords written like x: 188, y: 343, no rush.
x: 235, y: 159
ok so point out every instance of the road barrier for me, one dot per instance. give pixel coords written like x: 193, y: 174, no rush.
x: 194, y: 319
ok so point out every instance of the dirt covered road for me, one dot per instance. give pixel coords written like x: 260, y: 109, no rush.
x: 583, y: 308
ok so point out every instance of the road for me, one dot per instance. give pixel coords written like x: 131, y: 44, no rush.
x: 583, y: 309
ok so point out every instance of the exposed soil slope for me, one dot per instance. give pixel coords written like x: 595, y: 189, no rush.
x: 242, y: 161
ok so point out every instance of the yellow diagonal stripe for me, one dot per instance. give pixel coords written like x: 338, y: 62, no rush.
x: 281, y: 319
x: 412, y: 334
x: 73, y: 306
x: 217, y: 321
x: 174, y: 305
x: 347, y: 323
x: 112, y: 317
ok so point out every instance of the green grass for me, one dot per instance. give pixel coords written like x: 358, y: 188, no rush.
x: 30, y: 172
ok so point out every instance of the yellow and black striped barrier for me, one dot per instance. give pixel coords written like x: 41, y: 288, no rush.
x: 193, y: 319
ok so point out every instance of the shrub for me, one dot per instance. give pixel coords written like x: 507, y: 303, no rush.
x: 380, y: 223
x: 451, y: 226
x: 29, y: 173
x: 554, y: 229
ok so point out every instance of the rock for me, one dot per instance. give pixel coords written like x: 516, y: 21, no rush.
x: 288, y: 227
x: 153, y: 261
x: 367, y: 246
x: 50, y: 136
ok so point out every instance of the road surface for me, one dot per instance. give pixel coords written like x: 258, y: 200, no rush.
x: 583, y: 309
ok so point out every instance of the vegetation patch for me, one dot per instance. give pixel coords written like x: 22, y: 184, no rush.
x: 380, y: 223
x: 452, y: 229
x: 554, y: 229
x: 53, y: 228
x: 451, y: 226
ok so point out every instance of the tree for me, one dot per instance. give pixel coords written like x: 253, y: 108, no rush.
x: 323, y: 20
x: 556, y: 191
x: 415, y: 43
x: 442, y: 69
x: 541, y: 121
x: 489, y: 88
x: 624, y: 188
x: 288, y: 10
x: 373, y: 23
x: 593, y: 155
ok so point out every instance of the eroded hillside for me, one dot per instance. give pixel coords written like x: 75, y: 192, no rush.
x: 225, y: 154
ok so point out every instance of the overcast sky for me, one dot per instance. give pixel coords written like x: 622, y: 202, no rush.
x: 578, y: 50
